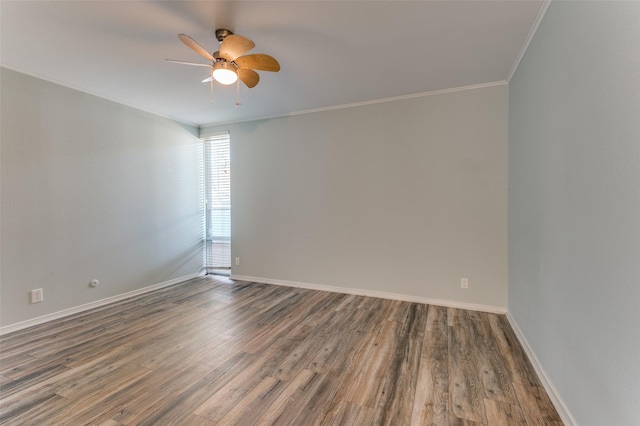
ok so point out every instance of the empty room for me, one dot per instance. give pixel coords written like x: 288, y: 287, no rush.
x: 320, y: 212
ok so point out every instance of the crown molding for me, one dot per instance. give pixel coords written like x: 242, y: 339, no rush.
x: 532, y: 33
x: 98, y: 95
x: 359, y: 104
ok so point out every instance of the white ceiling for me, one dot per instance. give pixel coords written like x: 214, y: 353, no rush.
x: 332, y: 53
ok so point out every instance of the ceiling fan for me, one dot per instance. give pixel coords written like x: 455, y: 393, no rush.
x: 227, y: 64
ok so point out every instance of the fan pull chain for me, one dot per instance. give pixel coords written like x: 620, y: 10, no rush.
x: 212, y: 98
x: 238, y: 103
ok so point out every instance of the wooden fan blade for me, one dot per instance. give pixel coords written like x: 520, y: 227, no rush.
x: 195, y: 46
x: 235, y: 45
x: 258, y: 61
x: 249, y: 77
x: 188, y: 63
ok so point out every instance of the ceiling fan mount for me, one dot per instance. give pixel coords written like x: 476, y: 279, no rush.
x: 222, y: 33
x: 230, y: 63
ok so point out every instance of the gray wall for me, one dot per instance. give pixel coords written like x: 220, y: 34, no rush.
x: 90, y: 189
x: 402, y: 197
x: 574, y: 206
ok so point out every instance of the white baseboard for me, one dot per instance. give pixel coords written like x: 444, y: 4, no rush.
x: 557, y: 401
x: 77, y: 309
x: 379, y: 294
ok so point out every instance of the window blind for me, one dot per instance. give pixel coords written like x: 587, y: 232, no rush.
x: 217, y: 167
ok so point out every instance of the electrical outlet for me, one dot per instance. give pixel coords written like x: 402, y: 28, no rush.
x: 464, y: 283
x: 37, y: 295
x: 237, y: 261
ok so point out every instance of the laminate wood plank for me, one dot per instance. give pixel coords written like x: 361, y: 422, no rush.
x: 16, y: 365
x: 145, y: 397
x: 103, y: 377
x: 78, y: 380
x: 32, y: 378
x: 242, y: 307
x: 184, y: 402
x: 193, y: 420
x: 188, y: 347
x: 86, y: 407
x: 516, y: 360
x: 504, y: 414
x: 304, y: 349
x: 315, y: 410
x: 200, y: 294
x: 350, y: 414
x: 29, y: 412
x: 431, y: 401
x: 401, y: 379
x: 86, y: 352
x: 367, y: 390
x: 98, y: 340
x: 365, y: 387
x: 256, y: 316
x: 456, y: 317
x: 14, y: 410
x: 64, y: 325
x: 212, y: 351
x: 3, y: 381
x: 284, y: 399
x: 298, y: 408
x: 276, y: 299
x: 277, y: 329
x: 495, y: 377
x: 109, y: 422
x: 90, y: 363
x: 350, y: 302
x: 437, y: 329
x: 147, y: 393
x: 224, y: 399
x: 536, y: 406
x: 475, y: 315
x: 385, y: 309
x: 456, y: 421
x: 326, y: 307
x: 248, y: 410
x: 66, y: 328
x: 335, y: 341
x: 207, y: 356
x: 45, y: 336
x: 465, y: 390
x: 400, y: 311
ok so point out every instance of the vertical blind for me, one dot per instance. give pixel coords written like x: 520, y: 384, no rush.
x: 217, y: 168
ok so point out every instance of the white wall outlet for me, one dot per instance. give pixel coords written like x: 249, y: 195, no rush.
x: 237, y: 261
x: 464, y: 282
x: 37, y: 295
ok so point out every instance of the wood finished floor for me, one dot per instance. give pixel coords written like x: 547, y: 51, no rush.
x: 208, y: 352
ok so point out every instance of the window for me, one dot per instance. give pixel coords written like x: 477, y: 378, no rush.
x: 217, y: 182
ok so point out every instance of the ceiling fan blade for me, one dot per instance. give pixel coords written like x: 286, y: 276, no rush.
x: 249, y: 77
x: 208, y: 79
x: 195, y: 46
x: 188, y: 63
x: 258, y: 61
x: 235, y: 45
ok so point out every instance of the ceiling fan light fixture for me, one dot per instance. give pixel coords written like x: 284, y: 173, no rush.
x: 224, y: 73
